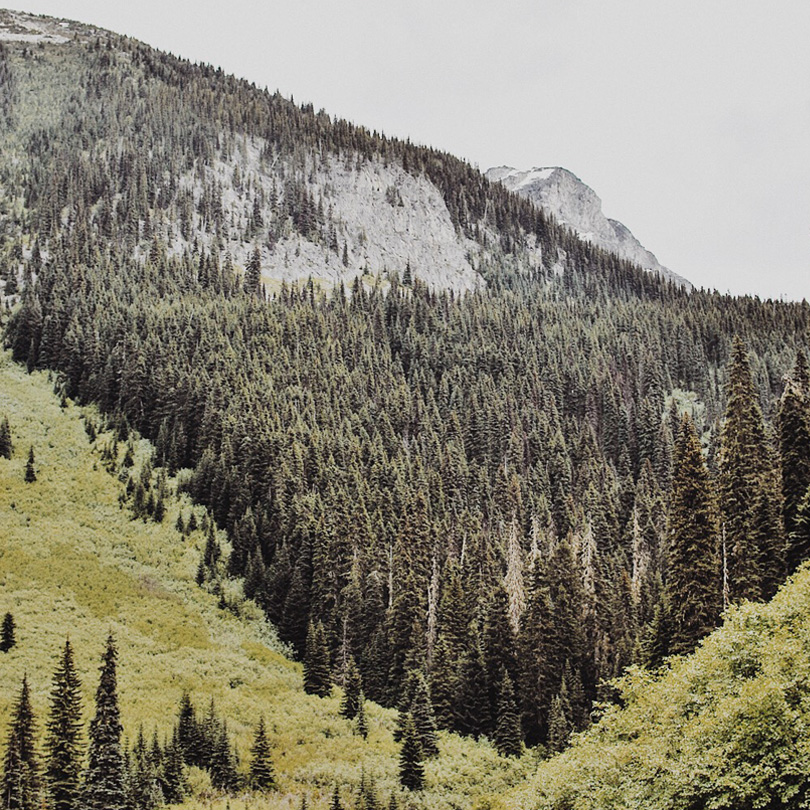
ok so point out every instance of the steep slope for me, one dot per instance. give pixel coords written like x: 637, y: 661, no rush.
x: 73, y: 564
x: 469, y: 488
x: 727, y: 727
x: 565, y: 197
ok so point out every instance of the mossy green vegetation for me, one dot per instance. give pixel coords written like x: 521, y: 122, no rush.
x: 74, y: 564
x: 727, y: 727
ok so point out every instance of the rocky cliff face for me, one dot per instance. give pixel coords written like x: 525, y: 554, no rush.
x: 576, y: 205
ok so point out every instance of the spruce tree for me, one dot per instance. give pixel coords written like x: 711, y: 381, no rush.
x: 508, y: 737
x: 30, y: 471
x: 317, y: 680
x: 8, y: 637
x: 423, y: 719
x: 352, y: 689
x: 746, y: 489
x: 6, y: 445
x: 360, y: 718
x: 104, y: 782
x: 63, y: 743
x: 20, y: 785
x: 411, y: 769
x: 172, y: 776
x: 472, y: 704
x: 262, y: 775
x: 693, y: 588
x: 800, y: 536
x: 794, y: 449
x: 559, y: 723
x: 222, y: 765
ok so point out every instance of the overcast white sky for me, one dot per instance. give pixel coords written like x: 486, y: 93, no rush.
x: 690, y: 119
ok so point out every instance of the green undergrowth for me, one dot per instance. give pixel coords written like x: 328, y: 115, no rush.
x: 727, y: 728
x: 73, y: 563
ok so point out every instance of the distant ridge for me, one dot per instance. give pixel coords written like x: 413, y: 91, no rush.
x: 562, y: 194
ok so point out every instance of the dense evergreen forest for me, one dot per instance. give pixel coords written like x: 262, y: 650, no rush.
x: 498, y: 500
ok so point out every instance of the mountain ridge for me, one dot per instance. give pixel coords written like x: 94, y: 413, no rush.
x: 573, y: 203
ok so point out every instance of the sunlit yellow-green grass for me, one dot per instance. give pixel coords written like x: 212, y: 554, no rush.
x: 73, y: 563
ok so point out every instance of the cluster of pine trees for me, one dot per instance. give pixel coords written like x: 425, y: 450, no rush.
x: 103, y: 774
x: 496, y: 494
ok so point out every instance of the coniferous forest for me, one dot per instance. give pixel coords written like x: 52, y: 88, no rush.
x: 479, y: 509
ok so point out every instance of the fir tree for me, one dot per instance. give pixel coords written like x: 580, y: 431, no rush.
x: 508, y: 738
x: 8, y: 636
x: 20, y: 783
x: 253, y: 273
x: 223, y: 761
x: 172, y: 776
x: 6, y: 445
x: 693, y: 586
x: 794, y: 447
x: 352, y: 690
x: 63, y: 743
x: 316, y: 663
x: 360, y: 718
x: 104, y: 782
x: 262, y: 774
x: 30, y: 471
x: 423, y: 720
x: 745, y: 488
x: 411, y: 769
x: 336, y: 804
x: 559, y: 722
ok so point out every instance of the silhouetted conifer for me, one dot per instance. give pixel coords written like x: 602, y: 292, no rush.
x: 694, y: 585
x: 508, y: 737
x: 63, y: 743
x: 8, y: 635
x: 20, y: 784
x: 411, y: 769
x: 30, y: 471
x: 262, y: 774
x: 104, y: 781
x: 317, y: 680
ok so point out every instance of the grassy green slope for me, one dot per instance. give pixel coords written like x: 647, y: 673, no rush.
x: 727, y: 727
x: 71, y: 562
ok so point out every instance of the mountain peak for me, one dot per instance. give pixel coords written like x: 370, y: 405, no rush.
x: 559, y: 192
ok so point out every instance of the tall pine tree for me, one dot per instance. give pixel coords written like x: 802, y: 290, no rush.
x: 746, y: 489
x: 262, y: 775
x: 105, y: 780
x: 694, y: 587
x: 794, y: 447
x: 63, y: 743
x: 20, y: 783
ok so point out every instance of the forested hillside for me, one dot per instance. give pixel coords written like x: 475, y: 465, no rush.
x: 499, y: 499
x: 75, y: 566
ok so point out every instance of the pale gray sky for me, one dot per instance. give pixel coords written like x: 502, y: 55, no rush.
x: 691, y: 120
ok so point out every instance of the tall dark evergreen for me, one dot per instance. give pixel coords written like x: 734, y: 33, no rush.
x: 794, y: 446
x: 262, y: 773
x: 317, y: 680
x: 105, y: 778
x: 411, y: 768
x: 30, y: 468
x: 746, y: 484
x: 6, y: 444
x: 423, y: 720
x: 8, y: 632
x: 63, y: 743
x: 352, y: 690
x: 21, y: 784
x: 694, y: 582
x: 508, y: 736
